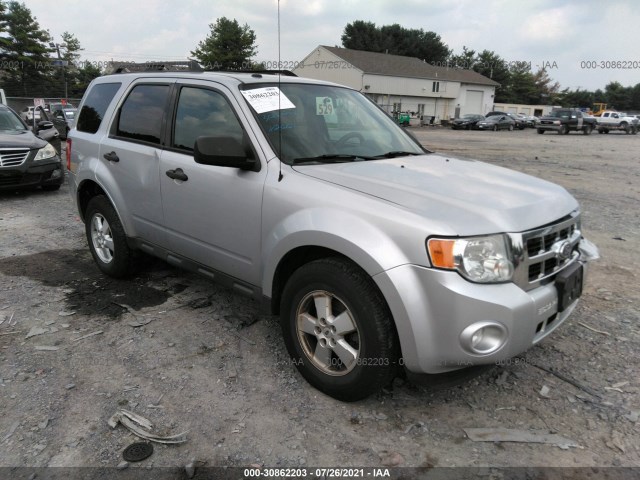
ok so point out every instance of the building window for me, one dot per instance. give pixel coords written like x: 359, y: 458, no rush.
x: 435, y: 87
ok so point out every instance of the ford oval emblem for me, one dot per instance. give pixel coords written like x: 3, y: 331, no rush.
x: 564, y: 252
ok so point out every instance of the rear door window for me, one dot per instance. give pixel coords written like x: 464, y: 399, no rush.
x: 95, y: 105
x: 141, y: 114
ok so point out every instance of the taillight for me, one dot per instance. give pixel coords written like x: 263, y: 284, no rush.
x: 68, y: 154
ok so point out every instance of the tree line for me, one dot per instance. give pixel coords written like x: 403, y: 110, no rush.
x: 518, y: 83
x: 34, y: 64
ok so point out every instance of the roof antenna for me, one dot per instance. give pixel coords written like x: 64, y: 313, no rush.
x: 279, y: 96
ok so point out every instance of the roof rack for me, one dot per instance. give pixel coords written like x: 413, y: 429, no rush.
x: 286, y: 73
x: 159, y: 66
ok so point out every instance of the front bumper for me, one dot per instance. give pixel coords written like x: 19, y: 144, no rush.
x: 434, y: 311
x: 46, y: 172
x: 549, y: 127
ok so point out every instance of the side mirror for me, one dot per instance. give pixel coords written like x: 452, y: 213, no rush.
x: 44, y: 125
x: 224, y: 152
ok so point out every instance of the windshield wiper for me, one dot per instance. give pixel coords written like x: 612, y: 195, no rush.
x: 331, y: 158
x: 397, y: 153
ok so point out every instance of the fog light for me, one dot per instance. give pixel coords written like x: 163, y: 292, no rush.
x: 483, y: 338
x: 56, y: 173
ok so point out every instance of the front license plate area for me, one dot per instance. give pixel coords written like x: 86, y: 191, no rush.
x: 569, y: 285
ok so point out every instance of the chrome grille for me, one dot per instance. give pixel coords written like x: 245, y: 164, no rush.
x: 541, y: 253
x: 12, y: 157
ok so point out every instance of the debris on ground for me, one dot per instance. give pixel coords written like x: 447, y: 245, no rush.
x: 87, y: 336
x: 36, y: 331
x: 518, y: 436
x: 141, y: 427
x: 544, y: 391
x: 602, y: 332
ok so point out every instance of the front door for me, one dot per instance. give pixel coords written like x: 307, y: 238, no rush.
x: 213, y: 215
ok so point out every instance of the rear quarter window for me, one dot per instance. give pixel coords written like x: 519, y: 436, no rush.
x: 95, y: 105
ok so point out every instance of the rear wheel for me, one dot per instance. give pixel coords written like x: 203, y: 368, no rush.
x: 495, y: 128
x: 564, y: 130
x: 540, y: 131
x: 107, y: 240
x: 511, y: 128
x: 587, y: 129
x: 625, y: 127
x: 338, y: 329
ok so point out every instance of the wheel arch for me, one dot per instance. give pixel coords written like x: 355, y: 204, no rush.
x: 296, y: 258
x: 86, y: 191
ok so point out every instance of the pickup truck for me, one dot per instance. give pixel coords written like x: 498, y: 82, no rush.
x: 611, y: 120
x: 565, y: 120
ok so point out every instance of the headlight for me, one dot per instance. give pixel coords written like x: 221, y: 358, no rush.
x: 479, y: 259
x: 46, y: 152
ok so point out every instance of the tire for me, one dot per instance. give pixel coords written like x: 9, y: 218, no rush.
x: 50, y: 188
x: 564, y: 130
x: 600, y: 130
x: 361, y: 356
x: 541, y: 131
x: 511, y: 128
x: 495, y: 128
x: 107, y: 240
x: 587, y: 129
x: 625, y: 126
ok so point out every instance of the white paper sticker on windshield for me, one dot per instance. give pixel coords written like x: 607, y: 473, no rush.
x: 324, y: 106
x: 267, y: 99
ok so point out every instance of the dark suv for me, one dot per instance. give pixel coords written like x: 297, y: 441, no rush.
x: 25, y: 159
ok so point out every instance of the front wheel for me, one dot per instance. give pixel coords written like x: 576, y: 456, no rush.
x: 511, y: 128
x: 587, y: 130
x: 495, y: 128
x: 564, y: 130
x: 107, y: 240
x: 338, y: 329
x: 540, y: 131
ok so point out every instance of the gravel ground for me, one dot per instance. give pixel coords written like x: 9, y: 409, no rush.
x: 192, y: 356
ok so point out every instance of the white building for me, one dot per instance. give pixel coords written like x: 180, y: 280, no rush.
x: 403, y: 84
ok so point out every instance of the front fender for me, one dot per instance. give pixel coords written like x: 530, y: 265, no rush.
x: 366, y: 245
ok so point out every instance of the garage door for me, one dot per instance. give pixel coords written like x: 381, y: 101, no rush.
x: 473, y: 103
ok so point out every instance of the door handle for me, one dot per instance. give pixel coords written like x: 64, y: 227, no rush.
x: 177, y: 174
x: 111, y: 156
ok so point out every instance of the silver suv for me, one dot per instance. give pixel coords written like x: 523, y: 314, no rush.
x: 377, y: 254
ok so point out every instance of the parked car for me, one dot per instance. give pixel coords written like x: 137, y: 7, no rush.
x: 64, y: 119
x: 25, y: 159
x: 530, y: 120
x: 27, y: 114
x: 565, y: 120
x: 45, y: 129
x: 376, y: 253
x: 520, y: 124
x: 612, y: 120
x: 497, y: 122
x: 467, y: 122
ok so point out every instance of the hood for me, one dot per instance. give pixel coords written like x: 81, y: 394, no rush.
x: 20, y: 139
x: 468, y: 196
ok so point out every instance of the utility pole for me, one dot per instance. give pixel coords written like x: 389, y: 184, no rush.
x: 61, y: 63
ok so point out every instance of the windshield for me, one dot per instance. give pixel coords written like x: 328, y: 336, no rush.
x: 320, y: 122
x: 559, y: 114
x: 9, y: 121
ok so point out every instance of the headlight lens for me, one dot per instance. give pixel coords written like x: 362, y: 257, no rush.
x: 479, y: 259
x: 46, y: 152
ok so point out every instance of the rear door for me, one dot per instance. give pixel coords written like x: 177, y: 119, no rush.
x: 131, y: 157
x: 214, y: 215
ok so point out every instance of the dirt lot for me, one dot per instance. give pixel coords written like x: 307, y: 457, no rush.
x: 209, y: 363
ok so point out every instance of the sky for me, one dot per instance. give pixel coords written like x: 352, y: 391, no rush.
x: 584, y: 43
